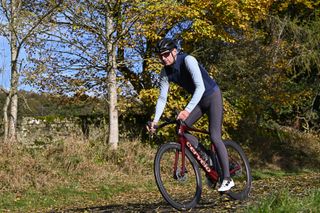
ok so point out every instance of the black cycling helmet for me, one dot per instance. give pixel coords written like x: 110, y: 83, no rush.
x: 166, y: 45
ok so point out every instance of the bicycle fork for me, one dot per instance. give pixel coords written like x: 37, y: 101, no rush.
x: 183, y: 160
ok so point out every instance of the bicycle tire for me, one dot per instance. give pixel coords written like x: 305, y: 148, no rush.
x: 179, y: 193
x: 241, y: 176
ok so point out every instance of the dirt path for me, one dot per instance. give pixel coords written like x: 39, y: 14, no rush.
x: 211, y: 201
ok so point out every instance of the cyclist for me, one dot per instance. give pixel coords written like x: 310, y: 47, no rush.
x: 184, y: 70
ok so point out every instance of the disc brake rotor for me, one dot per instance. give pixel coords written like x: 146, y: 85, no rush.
x: 181, y: 178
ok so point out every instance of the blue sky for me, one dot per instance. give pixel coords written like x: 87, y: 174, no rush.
x: 5, y: 58
x: 4, y: 63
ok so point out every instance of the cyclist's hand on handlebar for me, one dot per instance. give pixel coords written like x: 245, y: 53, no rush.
x: 183, y: 115
x: 152, y: 126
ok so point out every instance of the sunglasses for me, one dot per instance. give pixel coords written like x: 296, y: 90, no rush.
x: 165, y: 54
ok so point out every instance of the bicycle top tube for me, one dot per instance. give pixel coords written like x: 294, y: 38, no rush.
x: 181, y: 126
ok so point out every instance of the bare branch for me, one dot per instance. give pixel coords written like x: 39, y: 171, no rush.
x: 4, y: 90
x: 40, y: 21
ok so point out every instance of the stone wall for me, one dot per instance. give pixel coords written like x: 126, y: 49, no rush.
x: 41, y: 131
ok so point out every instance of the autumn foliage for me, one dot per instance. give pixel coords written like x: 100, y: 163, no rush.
x: 263, y: 54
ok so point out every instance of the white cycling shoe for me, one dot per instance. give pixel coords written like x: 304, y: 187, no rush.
x: 226, y: 185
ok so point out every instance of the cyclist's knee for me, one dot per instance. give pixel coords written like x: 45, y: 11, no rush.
x: 216, y: 140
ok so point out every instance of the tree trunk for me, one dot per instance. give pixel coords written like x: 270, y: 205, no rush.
x: 13, y: 114
x: 5, y: 117
x: 113, y: 109
x: 12, y: 99
x: 12, y: 133
x: 112, y: 82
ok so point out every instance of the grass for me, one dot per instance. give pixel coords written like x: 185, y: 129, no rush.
x: 285, y: 201
x: 284, y: 149
x: 258, y: 174
x: 73, y: 174
x: 262, y: 174
x: 69, y: 196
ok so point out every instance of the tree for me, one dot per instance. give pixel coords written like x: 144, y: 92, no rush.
x: 81, y: 57
x: 197, y: 25
x: 20, y: 23
x: 272, y: 76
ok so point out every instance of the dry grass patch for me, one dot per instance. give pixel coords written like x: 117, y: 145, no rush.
x: 20, y: 170
x: 67, y: 169
x: 286, y: 149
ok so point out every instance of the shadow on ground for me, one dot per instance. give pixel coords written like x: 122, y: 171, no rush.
x: 203, y: 206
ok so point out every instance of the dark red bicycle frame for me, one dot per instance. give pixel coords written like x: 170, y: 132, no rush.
x: 186, y: 144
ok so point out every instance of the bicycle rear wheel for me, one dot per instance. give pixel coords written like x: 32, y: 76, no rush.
x: 239, y: 171
x: 180, y: 191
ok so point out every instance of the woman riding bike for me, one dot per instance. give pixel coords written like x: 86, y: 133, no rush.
x: 184, y: 70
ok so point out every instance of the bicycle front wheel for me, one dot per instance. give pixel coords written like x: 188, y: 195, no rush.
x: 239, y: 171
x: 180, y: 191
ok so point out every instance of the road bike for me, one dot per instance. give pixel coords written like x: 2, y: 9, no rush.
x: 177, y: 168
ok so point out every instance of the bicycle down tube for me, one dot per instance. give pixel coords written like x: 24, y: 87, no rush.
x: 184, y: 143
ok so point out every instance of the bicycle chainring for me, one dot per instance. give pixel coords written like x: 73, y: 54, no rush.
x: 234, y: 165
